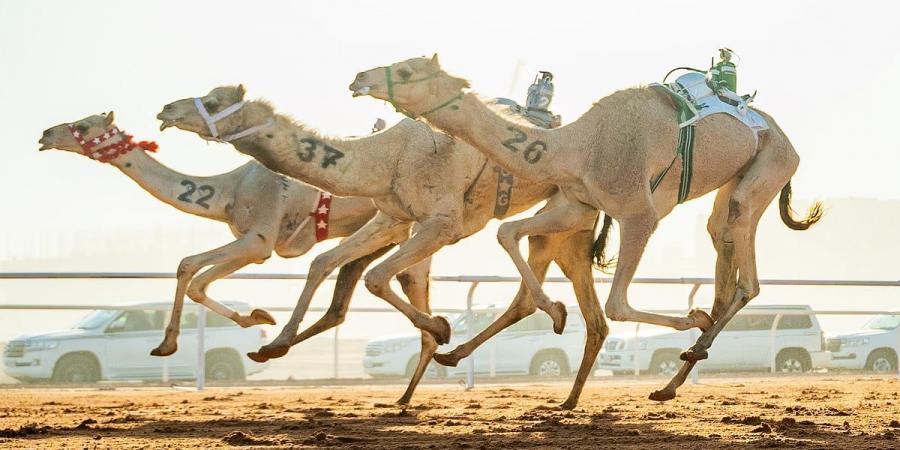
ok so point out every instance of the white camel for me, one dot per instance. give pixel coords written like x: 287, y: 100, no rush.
x: 607, y: 159
x: 415, y: 176
x: 265, y: 211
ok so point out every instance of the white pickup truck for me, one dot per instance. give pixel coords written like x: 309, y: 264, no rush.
x: 874, y: 347
x: 115, y: 345
x: 528, y: 347
x: 742, y: 345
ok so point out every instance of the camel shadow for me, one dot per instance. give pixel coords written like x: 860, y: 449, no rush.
x: 429, y: 426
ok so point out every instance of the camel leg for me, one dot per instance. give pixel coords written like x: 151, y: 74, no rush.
x: 566, y: 217
x: 723, y: 242
x: 757, y: 188
x: 197, y: 292
x: 347, y: 277
x: 249, y: 248
x: 577, y: 267
x: 434, y: 234
x: 379, y: 232
x: 416, y: 284
x: 635, y: 231
x: 541, y: 250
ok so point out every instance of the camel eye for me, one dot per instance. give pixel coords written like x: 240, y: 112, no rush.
x: 82, y: 128
x: 211, y: 105
x: 404, y: 74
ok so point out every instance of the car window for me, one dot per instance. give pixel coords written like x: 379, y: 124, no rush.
x: 794, y: 323
x: 137, y: 320
x: 885, y: 322
x: 535, y: 322
x: 188, y: 320
x: 482, y: 320
x: 750, y: 322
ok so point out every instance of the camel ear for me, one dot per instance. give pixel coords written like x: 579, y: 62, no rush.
x: 434, y: 63
x: 240, y: 92
x: 109, y: 118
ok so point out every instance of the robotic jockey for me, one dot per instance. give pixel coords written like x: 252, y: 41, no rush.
x: 537, y: 104
x: 723, y: 80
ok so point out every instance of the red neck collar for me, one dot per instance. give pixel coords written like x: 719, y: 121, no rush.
x: 91, y: 147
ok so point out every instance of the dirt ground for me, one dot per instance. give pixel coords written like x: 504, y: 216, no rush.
x: 843, y: 412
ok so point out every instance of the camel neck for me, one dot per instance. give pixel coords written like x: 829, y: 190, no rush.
x: 358, y: 167
x: 522, y: 149
x: 200, y: 196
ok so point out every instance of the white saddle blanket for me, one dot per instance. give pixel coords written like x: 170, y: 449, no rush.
x: 703, y: 102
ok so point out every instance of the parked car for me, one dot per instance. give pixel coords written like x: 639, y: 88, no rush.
x: 116, y: 344
x: 742, y: 345
x: 874, y: 347
x: 527, y: 347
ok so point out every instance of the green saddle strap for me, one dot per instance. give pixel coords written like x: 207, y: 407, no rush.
x: 686, y: 152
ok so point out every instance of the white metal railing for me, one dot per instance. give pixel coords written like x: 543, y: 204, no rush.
x: 474, y: 282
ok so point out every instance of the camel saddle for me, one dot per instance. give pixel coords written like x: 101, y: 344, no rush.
x: 696, y: 100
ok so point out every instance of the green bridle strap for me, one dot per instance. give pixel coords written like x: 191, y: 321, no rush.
x: 389, y: 79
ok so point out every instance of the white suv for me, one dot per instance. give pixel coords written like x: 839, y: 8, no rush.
x: 874, y: 347
x: 116, y: 344
x: 742, y: 345
x: 527, y: 347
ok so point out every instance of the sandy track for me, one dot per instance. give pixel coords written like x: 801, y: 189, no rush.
x: 847, y: 412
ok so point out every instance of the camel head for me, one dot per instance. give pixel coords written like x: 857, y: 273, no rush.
x: 63, y: 136
x: 414, y: 86
x: 184, y: 113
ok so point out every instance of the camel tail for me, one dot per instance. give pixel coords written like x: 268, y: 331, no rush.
x: 598, y: 251
x: 787, y: 213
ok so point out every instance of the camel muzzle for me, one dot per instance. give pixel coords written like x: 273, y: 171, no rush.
x: 358, y: 92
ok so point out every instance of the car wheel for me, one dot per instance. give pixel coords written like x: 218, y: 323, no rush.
x: 792, y: 361
x: 882, y: 361
x: 665, y: 363
x: 223, y: 366
x: 77, y: 368
x: 433, y: 370
x: 549, y: 365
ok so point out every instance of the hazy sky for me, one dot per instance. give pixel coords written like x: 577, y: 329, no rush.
x: 826, y: 71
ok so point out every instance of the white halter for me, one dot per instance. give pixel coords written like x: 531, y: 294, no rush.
x: 212, y: 119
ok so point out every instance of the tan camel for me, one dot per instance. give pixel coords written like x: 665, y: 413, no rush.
x: 265, y: 211
x: 416, y: 176
x: 606, y: 160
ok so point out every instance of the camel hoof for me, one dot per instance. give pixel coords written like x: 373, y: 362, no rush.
x: 403, y: 401
x: 559, y: 314
x: 256, y: 357
x: 274, y: 350
x: 262, y: 317
x: 701, y: 319
x: 569, y: 404
x: 446, y: 359
x: 164, y: 350
x: 444, y: 334
x: 694, y: 354
x: 662, y: 395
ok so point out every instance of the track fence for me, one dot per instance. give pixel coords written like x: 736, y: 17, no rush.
x: 469, y: 310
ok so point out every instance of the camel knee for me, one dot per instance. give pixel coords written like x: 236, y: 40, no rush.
x: 616, y: 313
x: 507, y: 235
x: 738, y: 209
x: 188, y: 267
x: 197, y: 292
x: 335, y: 316
x: 524, y: 309
x: 321, y: 266
x: 377, y: 282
